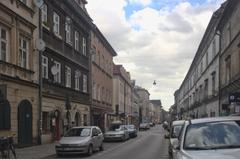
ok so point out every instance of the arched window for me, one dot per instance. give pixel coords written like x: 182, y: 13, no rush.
x: 5, y: 114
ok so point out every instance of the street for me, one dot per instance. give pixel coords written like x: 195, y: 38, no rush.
x: 148, y: 145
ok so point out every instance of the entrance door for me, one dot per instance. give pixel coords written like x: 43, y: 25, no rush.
x: 25, y: 123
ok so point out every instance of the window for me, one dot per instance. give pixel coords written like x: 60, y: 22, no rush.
x: 213, y: 83
x: 5, y: 114
x: 44, y: 67
x: 84, y: 46
x: 24, y: 1
x: 200, y: 92
x: 206, y: 59
x: 206, y: 88
x: 93, y: 53
x: 76, y: 45
x: 228, y: 34
x: 201, y: 67
x: 85, y: 83
x: 44, y: 14
x: 23, y: 52
x: 214, y: 51
x: 85, y: 119
x: 68, y: 76
x: 98, y: 92
x: 57, y: 72
x: 68, y: 30
x: 228, y: 69
x: 45, y: 122
x: 94, y: 90
x: 3, y: 43
x: 56, y: 24
x: 77, y: 80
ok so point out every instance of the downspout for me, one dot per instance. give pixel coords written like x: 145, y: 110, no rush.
x: 40, y: 83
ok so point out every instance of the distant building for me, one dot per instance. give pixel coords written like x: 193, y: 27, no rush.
x: 102, y: 79
x: 135, y: 105
x: 157, y: 106
x: 122, y: 94
x: 144, y: 104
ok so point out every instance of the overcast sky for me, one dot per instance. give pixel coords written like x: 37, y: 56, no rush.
x: 154, y: 39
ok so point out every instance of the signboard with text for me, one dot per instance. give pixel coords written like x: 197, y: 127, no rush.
x: 234, y: 97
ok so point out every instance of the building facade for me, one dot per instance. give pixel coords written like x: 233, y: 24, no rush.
x: 19, y: 89
x: 122, y: 94
x: 144, y: 104
x: 229, y: 28
x: 102, y: 79
x: 198, y: 95
x: 65, y: 67
x: 155, y: 115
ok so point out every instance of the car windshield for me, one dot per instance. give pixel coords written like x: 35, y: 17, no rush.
x: 215, y: 135
x: 130, y: 126
x: 115, y: 127
x: 78, y: 132
x: 175, y: 131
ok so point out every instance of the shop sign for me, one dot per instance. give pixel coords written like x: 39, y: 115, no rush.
x: 234, y: 97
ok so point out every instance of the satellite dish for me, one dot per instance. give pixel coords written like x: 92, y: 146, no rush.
x: 78, y: 73
x: 38, y: 3
x: 54, y: 70
x: 40, y: 45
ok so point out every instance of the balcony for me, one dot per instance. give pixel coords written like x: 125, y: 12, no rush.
x: 15, y: 71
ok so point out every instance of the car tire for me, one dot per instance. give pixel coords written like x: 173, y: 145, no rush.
x: 101, y: 148
x: 90, y: 150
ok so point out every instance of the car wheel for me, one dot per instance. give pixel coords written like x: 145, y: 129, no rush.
x: 90, y: 150
x: 101, y: 148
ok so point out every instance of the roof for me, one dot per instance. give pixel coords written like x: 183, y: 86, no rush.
x: 178, y: 122
x: 215, y: 119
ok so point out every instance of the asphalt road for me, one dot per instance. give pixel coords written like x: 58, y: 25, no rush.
x: 148, y: 145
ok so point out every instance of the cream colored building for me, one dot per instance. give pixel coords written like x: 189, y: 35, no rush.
x: 19, y: 108
x: 198, y: 95
x: 122, y: 94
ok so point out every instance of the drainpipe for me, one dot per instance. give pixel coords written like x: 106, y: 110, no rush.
x: 219, y: 71
x: 40, y: 83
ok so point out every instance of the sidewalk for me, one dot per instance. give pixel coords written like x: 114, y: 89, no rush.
x: 36, y: 152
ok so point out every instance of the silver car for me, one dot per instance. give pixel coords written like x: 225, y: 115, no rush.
x: 174, y: 134
x: 80, y: 140
x: 119, y: 133
x: 209, y: 138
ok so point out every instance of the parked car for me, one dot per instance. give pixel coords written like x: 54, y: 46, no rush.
x: 78, y: 140
x: 116, y: 133
x: 144, y: 126
x: 132, y: 131
x: 209, y: 138
x: 174, y: 134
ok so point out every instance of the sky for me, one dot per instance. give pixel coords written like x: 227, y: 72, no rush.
x: 154, y: 39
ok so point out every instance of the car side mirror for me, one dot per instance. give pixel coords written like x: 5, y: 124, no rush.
x: 176, y: 144
x: 94, y: 134
x: 167, y: 136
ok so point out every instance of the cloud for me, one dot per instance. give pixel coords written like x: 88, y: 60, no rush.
x: 141, y: 2
x: 154, y: 43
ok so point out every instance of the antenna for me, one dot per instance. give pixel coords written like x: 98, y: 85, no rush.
x: 54, y: 70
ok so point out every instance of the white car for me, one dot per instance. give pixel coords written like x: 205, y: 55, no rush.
x: 174, y: 134
x: 78, y: 140
x: 209, y: 138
